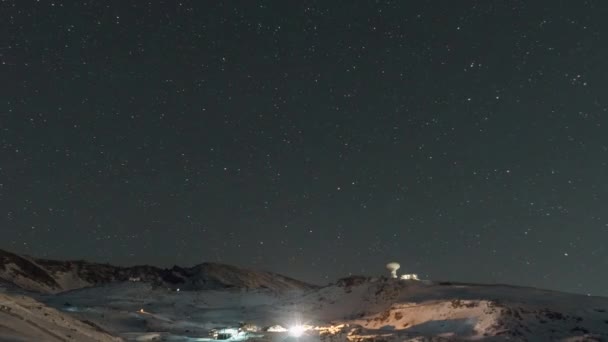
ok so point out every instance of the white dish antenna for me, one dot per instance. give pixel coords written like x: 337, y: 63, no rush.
x: 393, y: 267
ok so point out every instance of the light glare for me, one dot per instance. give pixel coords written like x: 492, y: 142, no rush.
x: 296, y: 330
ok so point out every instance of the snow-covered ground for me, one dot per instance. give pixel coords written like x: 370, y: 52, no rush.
x: 24, y: 319
x: 133, y: 308
x: 370, y: 309
x: 46, y: 300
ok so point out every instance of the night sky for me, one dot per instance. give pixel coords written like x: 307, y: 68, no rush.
x: 467, y: 140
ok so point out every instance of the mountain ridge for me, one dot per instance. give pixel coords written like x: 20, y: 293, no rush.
x: 142, y: 302
x: 55, y: 276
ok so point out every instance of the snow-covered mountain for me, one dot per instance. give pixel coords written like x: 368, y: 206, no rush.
x: 355, y: 309
x: 50, y: 276
x: 396, y: 309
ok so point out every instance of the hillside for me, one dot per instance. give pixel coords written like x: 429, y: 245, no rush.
x: 459, y: 311
x: 51, y: 276
x: 24, y: 319
x: 354, y: 309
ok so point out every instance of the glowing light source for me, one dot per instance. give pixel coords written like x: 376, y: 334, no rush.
x: 297, y: 330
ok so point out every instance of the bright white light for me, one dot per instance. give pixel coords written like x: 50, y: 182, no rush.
x: 297, y: 330
x: 231, y: 331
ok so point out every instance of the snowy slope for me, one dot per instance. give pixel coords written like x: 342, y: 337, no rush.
x: 463, y: 311
x: 354, y: 309
x: 117, y: 308
x: 24, y: 319
x: 50, y: 276
x: 369, y: 309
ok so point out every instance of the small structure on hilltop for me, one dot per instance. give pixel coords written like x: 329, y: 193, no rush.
x: 411, y: 276
x: 393, y: 267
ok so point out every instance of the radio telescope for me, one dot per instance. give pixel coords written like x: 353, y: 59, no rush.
x: 393, y: 267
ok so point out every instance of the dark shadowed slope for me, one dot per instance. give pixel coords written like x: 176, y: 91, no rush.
x: 51, y: 276
x: 24, y: 319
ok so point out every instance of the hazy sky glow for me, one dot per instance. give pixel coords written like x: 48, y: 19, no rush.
x: 465, y: 139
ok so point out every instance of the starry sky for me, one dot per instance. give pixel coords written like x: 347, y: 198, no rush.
x: 465, y: 139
